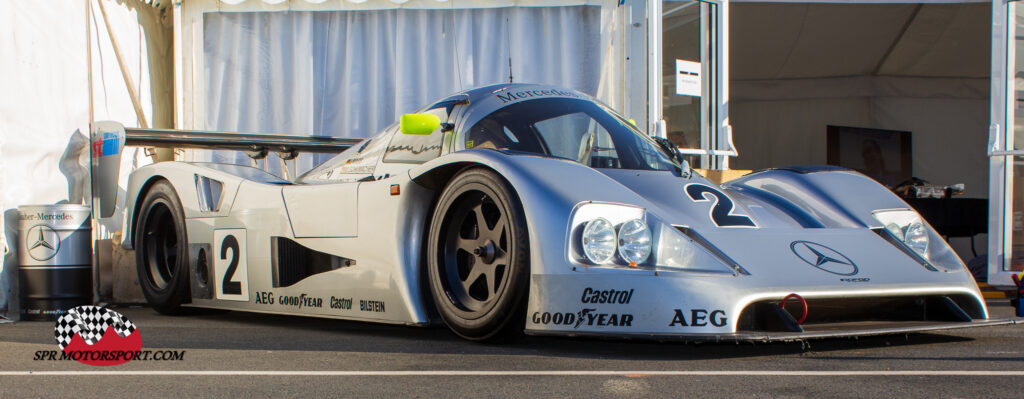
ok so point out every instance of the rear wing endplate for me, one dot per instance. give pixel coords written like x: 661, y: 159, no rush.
x: 109, y: 138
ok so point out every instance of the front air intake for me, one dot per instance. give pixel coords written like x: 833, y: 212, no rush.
x: 825, y: 314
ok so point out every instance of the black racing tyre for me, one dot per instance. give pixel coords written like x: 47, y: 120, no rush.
x: 478, y: 256
x: 161, y: 249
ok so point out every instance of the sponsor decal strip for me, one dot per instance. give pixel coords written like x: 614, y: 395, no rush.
x: 403, y: 373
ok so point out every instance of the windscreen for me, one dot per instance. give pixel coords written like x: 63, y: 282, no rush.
x: 574, y: 129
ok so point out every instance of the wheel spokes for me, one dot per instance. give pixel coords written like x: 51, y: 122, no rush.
x: 466, y: 244
x: 476, y: 253
x: 481, y: 220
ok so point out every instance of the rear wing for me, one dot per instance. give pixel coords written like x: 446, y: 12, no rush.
x: 109, y: 138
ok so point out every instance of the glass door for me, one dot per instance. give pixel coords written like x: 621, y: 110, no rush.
x: 1014, y: 159
x: 691, y: 76
x: 1006, y: 145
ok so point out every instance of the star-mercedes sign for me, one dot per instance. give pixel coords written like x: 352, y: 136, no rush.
x: 824, y: 258
x: 42, y: 242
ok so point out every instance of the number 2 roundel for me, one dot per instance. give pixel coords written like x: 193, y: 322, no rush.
x: 231, y: 272
x: 721, y: 207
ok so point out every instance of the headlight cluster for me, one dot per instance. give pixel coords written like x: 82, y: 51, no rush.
x: 907, y: 227
x: 632, y: 243
x: 624, y: 237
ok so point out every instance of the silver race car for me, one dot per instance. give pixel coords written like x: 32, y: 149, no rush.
x: 525, y: 207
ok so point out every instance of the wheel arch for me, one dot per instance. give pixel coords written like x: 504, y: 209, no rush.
x: 440, y: 181
x: 436, y: 179
x: 546, y: 188
x: 131, y: 220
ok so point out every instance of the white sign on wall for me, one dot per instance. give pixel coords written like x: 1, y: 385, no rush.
x: 687, y: 78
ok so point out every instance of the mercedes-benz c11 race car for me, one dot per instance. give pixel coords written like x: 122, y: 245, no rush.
x: 538, y: 208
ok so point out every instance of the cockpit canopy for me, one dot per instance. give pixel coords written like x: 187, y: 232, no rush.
x: 574, y: 129
x: 559, y: 123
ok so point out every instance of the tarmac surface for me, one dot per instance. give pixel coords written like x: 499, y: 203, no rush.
x: 236, y: 354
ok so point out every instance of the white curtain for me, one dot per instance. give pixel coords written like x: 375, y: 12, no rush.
x: 352, y: 73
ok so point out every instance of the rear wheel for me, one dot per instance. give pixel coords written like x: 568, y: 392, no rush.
x: 479, y: 255
x: 161, y: 249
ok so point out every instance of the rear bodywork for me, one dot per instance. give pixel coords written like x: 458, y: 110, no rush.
x: 355, y: 250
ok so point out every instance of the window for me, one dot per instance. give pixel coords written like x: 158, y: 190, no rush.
x: 410, y: 148
x: 353, y: 164
x: 573, y: 129
x: 577, y: 136
x: 682, y: 72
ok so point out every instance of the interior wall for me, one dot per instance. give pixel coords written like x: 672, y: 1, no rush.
x: 797, y: 68
x: 949, y: 134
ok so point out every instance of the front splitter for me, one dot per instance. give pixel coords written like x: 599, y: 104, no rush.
x: 841, y: 330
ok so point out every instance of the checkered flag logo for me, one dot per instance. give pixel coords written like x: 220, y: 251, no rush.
x: 90, y: 322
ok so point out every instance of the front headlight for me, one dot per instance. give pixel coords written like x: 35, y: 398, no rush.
x: 634, y: 241
x: 916, y: 237
x: 907, y: 230
x: 907, y: 227
x: 599, y: 241
x: 624, y: 237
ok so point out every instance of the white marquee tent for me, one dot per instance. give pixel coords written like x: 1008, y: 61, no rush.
x: 329, y: 67
x: 349, y: 67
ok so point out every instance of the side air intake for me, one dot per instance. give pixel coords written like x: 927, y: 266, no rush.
x: 294, y: 262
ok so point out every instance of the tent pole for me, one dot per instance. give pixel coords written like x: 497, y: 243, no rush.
x: 94, y: 223
x: 132, y: 91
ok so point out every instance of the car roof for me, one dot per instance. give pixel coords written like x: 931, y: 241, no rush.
x: 487, y: 99
x: 479, y: 93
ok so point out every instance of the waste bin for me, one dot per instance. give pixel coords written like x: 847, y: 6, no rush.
x: 55, y: 259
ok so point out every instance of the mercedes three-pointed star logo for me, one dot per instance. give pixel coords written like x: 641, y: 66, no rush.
x: 42, y: 242
x: 824, y: 258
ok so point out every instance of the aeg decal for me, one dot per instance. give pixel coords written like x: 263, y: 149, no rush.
x: 300, y: 301
x: 264, y: 298
x: 722, y: 207
x: 699, y: 318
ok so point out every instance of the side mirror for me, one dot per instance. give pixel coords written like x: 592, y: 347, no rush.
x: 419, y: 124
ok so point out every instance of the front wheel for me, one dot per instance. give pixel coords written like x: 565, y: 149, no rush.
x: 478, y: 253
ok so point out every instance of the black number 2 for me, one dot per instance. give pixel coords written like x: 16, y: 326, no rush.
x: 229, y: 287
x: 721, y: 211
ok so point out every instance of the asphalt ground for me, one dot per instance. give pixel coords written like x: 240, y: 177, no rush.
x: 237, y: 354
